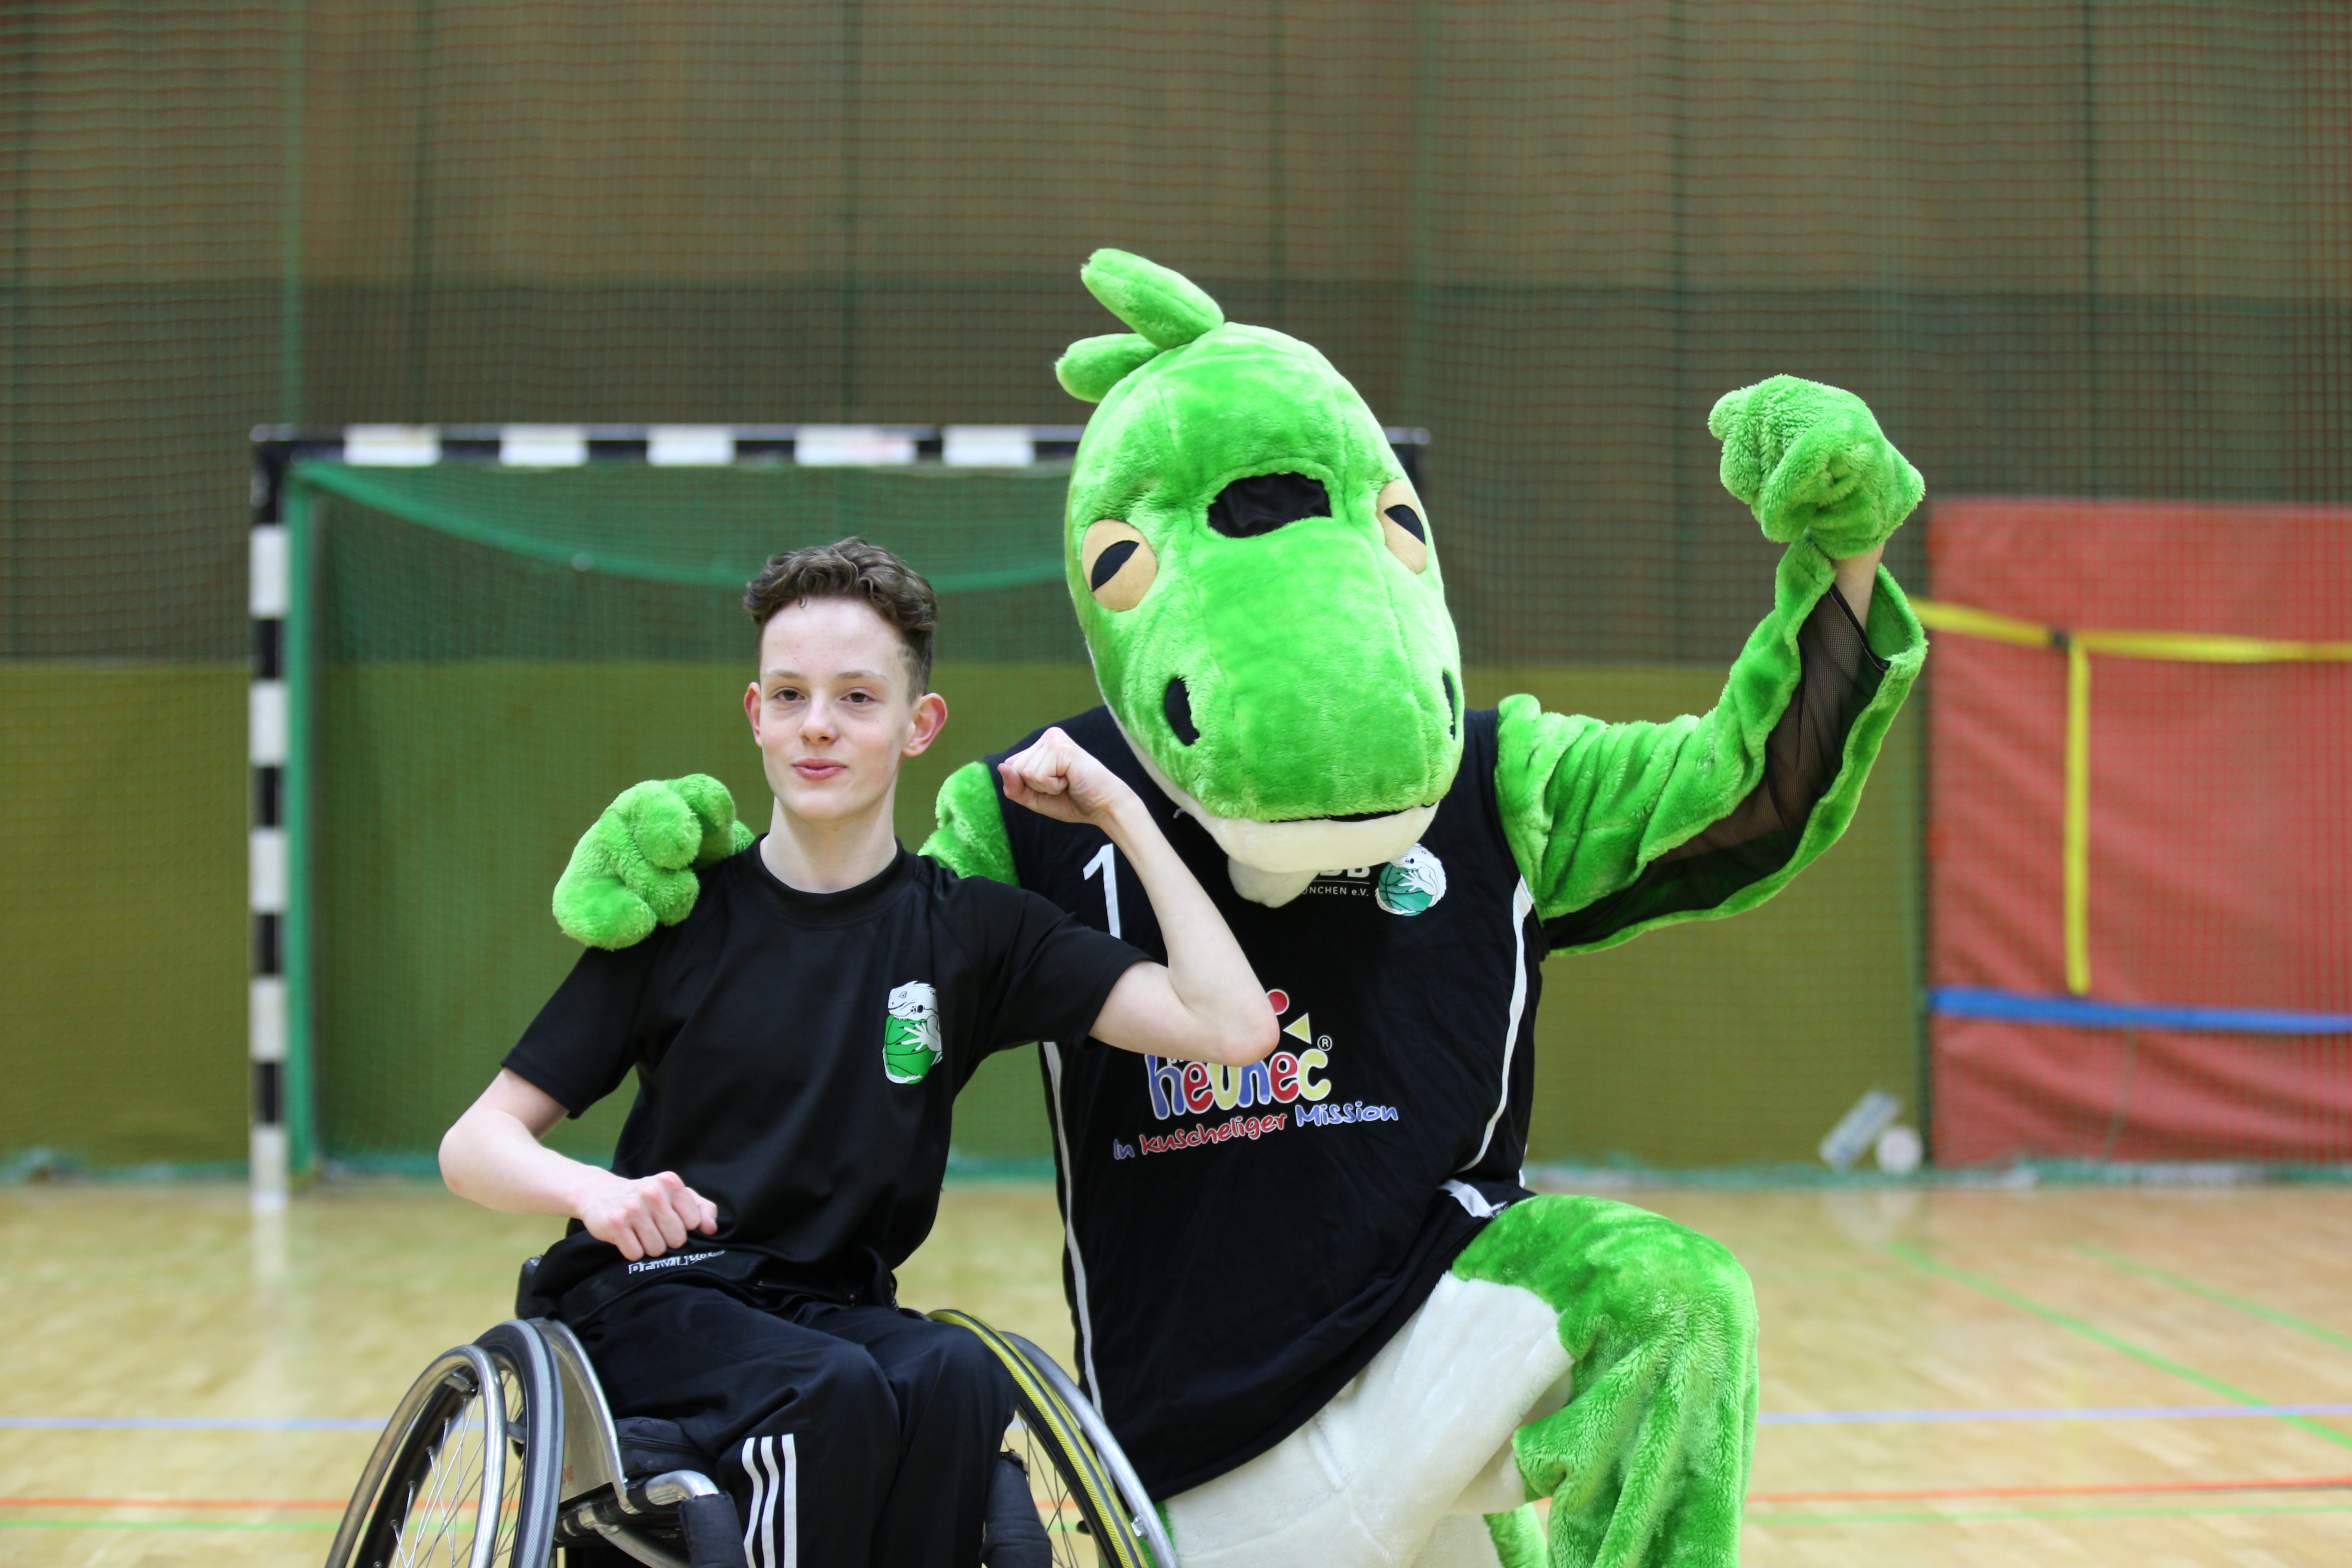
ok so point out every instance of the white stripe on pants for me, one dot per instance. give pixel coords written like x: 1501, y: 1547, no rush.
x: 773, y: 1465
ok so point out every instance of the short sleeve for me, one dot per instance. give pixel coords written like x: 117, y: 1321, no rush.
x: 1052, y: 974
x: 581, y: 1044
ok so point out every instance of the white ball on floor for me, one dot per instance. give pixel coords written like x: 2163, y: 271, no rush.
x: 1899, y: 1150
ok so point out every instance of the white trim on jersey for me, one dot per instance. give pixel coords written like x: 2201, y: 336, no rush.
x: 1472, y: 1200
x: 1523, y: 903
x: 775, y: 1491
x: 1069, y: 1221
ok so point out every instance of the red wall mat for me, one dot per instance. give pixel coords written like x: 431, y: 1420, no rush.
x: 2006, y: 1091
x: 2220, y: 841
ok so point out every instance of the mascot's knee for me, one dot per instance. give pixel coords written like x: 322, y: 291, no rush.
x: 1614, y: 1272
x: 1674, y: 1283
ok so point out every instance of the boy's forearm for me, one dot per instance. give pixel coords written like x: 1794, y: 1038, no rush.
x: 1206, y: 967
x: 1855, y: 576
x: 490, y: 1157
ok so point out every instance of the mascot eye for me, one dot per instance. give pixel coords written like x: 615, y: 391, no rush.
x: 1119, y: 563
x: 1403, y: 524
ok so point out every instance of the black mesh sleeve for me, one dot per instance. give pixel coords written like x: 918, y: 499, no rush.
x: 1838, y: 677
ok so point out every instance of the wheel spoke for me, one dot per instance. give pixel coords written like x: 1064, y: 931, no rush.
x: 433, y: 1531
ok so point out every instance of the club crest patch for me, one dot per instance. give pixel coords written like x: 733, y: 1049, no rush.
x: 1409, y: 883
x: 911, y: 1044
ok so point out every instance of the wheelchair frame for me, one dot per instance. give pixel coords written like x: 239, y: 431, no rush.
x: 551, y: 1460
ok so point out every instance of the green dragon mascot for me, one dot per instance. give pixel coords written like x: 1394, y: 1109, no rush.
x: 1312, y: 1297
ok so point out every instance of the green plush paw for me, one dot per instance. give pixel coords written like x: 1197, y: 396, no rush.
x: 1812, y: 463
x: 634, y: 865
x: 714, y: 814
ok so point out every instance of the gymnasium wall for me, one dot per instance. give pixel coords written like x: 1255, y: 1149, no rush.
x: 2097, y: 249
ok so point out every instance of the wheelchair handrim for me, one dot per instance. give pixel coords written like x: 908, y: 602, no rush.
x: 434, y: 1407
x: 1042, y: 1406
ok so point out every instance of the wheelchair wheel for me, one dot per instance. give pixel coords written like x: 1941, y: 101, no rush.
x: 467, y: 1472
x: 1095, y: 1513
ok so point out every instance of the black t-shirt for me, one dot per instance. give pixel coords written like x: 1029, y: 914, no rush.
x: 798, y: 1054
x: 1242, y: 1241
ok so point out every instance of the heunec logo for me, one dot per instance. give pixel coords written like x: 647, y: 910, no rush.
x: 1189, y: 1089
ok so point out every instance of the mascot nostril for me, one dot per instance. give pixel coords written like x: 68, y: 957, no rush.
x: 1178, y: 705
x: 1264, y: 502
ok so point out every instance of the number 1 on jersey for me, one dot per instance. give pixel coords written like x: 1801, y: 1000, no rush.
x: 1106, y: 860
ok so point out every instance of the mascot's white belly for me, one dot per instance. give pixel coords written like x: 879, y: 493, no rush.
x: 1395, y: 1471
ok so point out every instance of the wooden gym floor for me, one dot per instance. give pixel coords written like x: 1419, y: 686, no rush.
x: 2045, y: 1377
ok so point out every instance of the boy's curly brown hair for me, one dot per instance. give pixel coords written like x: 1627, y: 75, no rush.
x: 859, y: 569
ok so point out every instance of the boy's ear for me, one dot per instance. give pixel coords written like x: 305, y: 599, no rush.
x: 930, y: 717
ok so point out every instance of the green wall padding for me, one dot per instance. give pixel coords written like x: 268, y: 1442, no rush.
x: 123, y: 1023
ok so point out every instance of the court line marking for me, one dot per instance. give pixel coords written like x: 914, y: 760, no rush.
x: 2115, y: 1488
x: 189, y: 1424
x: 169, y: 1502
x: 1917, y: 1516
x: 2182, y: 1282
x: 2047, y: 1412
x: 1900, y: 1494
x: 168, y: 1523
x: 1767, y: 1418
x: 1964, y: 1516
x: 1920, y: 1259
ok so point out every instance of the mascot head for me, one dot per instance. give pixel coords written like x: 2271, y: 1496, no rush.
x: 1259, y: 585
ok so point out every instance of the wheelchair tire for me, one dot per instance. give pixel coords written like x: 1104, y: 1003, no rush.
x: 468, y: 1469
x: 1095, y: 1513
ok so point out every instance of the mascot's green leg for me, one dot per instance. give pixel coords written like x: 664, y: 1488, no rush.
x: 1646, y: 1465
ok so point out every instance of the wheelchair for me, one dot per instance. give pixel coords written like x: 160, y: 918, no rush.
x: 504, y: 1453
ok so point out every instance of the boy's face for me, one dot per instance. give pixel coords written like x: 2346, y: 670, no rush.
x: 834, y: 709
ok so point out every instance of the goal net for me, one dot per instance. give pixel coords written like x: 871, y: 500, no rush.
x: 488, y: 653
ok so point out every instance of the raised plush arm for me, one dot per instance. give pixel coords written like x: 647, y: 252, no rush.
x: 1620, y: 827
x: 634, y: 865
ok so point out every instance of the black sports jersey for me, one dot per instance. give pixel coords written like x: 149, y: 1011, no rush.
x: 798, y: 1054
x: 1242, y: 1241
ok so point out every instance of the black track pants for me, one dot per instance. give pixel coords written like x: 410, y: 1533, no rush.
x: 849, y: 1436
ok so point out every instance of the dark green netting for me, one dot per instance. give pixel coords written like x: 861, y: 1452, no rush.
x: 2099, y: 249
x: 499, y: 652
x: 476, y: 705
x: 966, y: 530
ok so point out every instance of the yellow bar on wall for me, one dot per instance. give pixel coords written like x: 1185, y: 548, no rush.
x: 2077, y: 835
x: 1970, y: 621
x: 2183, y: 648
x: 2197, y: 648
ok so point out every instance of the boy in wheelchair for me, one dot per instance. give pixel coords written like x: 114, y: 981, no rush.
x: 798, y: 1040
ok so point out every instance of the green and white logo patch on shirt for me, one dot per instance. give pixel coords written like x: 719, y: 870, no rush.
x: 1409, y: 883
x: 911, y: 1045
